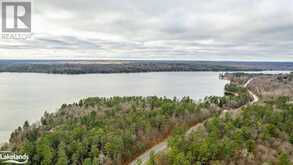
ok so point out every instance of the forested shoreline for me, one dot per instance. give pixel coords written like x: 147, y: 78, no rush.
x: 114, y: 130
x: 129, y: 66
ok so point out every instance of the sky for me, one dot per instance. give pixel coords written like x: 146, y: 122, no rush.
x: 246, y: 30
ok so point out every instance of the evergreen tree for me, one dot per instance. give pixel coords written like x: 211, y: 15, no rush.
x: 62, y: 158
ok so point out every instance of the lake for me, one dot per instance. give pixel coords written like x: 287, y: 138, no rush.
x: 26, y: 96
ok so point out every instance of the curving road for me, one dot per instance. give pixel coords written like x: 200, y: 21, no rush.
x: 164, y: 144
x: 255, y: 98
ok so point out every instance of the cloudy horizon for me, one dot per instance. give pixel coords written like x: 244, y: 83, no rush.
x: 212, y: 30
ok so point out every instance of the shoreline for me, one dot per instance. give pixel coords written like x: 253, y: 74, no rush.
x: 127, y: 66
x: 207, y: 71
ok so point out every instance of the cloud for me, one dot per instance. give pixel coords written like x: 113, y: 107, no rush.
x: 173, y: 29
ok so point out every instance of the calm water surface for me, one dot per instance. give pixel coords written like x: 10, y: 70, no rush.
x: 26, y: 96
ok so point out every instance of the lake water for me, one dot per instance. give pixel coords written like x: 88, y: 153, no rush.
x: 26, y: 96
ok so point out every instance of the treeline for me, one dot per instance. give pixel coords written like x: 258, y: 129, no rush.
x: 83, y: 67
x: 235, y: 96
x: 134, y: 66
x: 262, y: 134
x: 111, y: 130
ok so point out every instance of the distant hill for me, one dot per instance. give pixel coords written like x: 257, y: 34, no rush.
x: 132, y: 66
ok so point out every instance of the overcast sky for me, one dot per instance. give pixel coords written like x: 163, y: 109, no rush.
x: 158, y: 29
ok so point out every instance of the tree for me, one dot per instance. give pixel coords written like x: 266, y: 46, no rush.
x: 291, y: 138
x: 87, y: 161
x: 181, y: 159
x: 283, y: 159
x: 94, y: 151
x: 95, y: 161
x: 75, y: 159
x: 26, y: 125
x: 152, y: 159
x: 45, y: 152
x: 62, y: 158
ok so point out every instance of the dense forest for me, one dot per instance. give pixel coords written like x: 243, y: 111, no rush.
x: 114, y: 130
x: 262, y: 134
x: 128, y: 66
